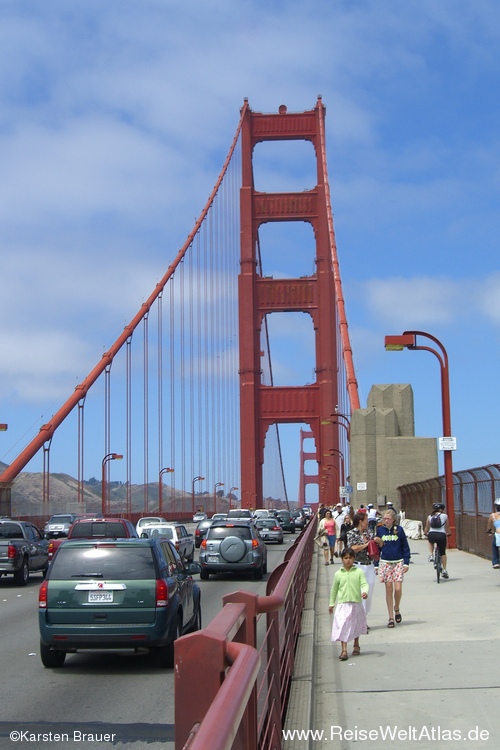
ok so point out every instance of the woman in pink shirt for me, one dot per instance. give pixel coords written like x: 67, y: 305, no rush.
x: 327, y: 527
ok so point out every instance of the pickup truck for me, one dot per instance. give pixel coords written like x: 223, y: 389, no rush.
x: 95, y: 528
x: 23, y: 550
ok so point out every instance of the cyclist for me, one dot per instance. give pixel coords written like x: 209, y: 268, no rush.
x: 436, y: 530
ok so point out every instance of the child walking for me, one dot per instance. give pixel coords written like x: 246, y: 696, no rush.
x: 349, y: 587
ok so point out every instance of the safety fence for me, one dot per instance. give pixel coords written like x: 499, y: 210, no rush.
x: 232, y: 679
x: 474, y: 492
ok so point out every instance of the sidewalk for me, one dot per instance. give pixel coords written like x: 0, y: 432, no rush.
x: 434, y: 678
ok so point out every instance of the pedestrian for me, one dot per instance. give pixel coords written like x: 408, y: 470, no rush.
x: 344, y: 524
x: 339, y: 515
x: 358, y: 539
x: 493, y: 527
x: 436, y: 530
x: 327, y: 532
x: 394, y: 563
x: 349, y: 588
x: 372, y: 519
x: 321, y: 511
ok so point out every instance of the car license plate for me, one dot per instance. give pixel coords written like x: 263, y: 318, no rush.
x: 212, y: 559
x: 100, y: 596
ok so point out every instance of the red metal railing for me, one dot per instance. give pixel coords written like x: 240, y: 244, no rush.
x: 232, y: 679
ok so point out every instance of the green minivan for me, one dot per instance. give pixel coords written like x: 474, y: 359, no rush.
x: 117, y: 594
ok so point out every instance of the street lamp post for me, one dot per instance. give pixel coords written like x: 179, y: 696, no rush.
x: 232, y: 488
x: 408, y: 340
x: 195, y: 479
x: 166, y: 470
x: 217, y: 484
x: 104, y: 489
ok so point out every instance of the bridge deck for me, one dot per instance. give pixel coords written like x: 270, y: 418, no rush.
x: 435, y: 672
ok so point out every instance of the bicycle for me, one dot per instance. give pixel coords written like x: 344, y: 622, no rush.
x: 438, y: 565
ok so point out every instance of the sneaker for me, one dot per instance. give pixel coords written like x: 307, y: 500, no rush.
x: 496, y: 566
x: 431, y: 558
x: 445, y: 574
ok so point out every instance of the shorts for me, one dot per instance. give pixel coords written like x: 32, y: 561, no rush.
x: 439, y: 538
x: 390, y: 572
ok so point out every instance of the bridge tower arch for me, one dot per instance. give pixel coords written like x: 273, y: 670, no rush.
x: 313, y: 404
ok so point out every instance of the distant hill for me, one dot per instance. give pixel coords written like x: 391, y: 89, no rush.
x: 27, y: 495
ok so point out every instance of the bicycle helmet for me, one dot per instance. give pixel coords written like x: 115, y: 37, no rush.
x: 497, y: 502
x: 438, y: 506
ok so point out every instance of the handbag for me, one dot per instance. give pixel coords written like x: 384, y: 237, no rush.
x: 373, y: 550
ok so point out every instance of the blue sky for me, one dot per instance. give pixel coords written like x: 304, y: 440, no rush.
x: 115, y: 119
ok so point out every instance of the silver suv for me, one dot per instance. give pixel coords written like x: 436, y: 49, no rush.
x: 58, y: 525
x: 232, y: 546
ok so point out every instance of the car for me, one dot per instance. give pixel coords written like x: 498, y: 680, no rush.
x: 182, y: 540
x: 300, y: 519
x: 23, y: 550
x: 58, y: 525
x: 148, y: 520
x: 201, y: 531
x: 199, y: 516
x: 119, y: 594
x: 269, y: 530
x: 261, y: 513
x: 94, y: 527
x: 239, y: 513
x: 233, y: 546
x: 286, y: 520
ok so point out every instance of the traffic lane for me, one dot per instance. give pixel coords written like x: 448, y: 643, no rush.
x: 94, y: 692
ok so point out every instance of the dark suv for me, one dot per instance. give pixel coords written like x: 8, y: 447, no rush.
x: 231, y: 547
x: 117, y: 594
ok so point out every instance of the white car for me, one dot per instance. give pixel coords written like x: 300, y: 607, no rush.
x: 148, y: 520
x: 176, y: 533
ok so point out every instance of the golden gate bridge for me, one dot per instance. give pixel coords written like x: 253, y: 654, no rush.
x: 187, y: 388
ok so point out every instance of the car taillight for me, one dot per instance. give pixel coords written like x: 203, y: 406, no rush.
x: 197, y: 532
x: 11, y: 551
x: 51, y: 549
x: 276, y: 528
x: 204, y: 544
x: 255, y: 543
x: 42, y: 595
x: 161, y: 593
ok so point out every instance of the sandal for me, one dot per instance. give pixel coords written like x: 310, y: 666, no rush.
x: 398, y: 615
x: 343, y: 656
x: 356, y: 651
x: 390, y: 624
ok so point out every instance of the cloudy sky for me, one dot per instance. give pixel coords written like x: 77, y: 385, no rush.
x: 115, y: 119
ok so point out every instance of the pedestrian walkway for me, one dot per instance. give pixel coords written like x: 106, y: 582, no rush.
x: 430, y: 682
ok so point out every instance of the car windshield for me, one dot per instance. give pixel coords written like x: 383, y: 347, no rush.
x: 107, y: 562
x: 99, y: 529
x: 61, y: 519
x: 11, y: 531
x: 221, y: 532
x: 166, y: 532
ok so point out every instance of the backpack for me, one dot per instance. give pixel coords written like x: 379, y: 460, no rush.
x: 435, y: 522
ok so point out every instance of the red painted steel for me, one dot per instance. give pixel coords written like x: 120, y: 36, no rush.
x: 319, y: 295
x: 215, y: 693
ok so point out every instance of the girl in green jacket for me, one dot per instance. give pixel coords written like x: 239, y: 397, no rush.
x: 349, y: 588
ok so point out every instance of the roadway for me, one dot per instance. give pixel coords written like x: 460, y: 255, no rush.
x: 122, y: 693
